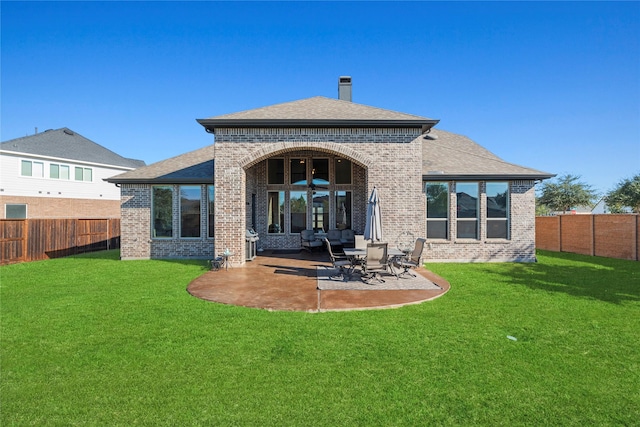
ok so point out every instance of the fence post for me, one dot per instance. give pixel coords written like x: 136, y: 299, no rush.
x: 25, y: 241
x: 592, y: 242
x: 559, y: 232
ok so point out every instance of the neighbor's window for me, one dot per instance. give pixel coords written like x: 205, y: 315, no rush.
x: 343, y: 210
x: 298, y: 209
x: 54, y: 171
x: 211, y: 198
x: 343, y: 171
x: 15, y: 211
x: 275, y: 212
x: 497, y: 210
x: 437, y: 210
x: 190, y: 198
x: 161, y: 211
x: 58, y: 171
x: 298, y: 171
x: 467, y: 210
x: 275, y: 171
x: 83, y: 174
x: 29, y: 168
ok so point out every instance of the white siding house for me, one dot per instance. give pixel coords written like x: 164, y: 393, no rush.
x: 59, y: 173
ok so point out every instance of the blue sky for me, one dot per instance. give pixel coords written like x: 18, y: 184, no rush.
x: 550, y: 85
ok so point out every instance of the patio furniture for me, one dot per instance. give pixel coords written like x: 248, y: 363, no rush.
x: 340, y: 263
x: 225, y: 259
x: 334, y: 236
x: 413, y: 260
x: 360, y: 242
x: 216, y: 263
x: 308, y: 240
x: 376, y: 262
x: 347, y: 238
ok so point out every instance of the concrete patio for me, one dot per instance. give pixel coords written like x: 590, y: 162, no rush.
x: 288, y: 282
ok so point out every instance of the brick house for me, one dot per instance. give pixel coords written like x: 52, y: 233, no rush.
x: 59, y: 174
x: 311, y: 164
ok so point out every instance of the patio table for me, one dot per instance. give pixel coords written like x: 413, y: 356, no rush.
x: 356, y: 254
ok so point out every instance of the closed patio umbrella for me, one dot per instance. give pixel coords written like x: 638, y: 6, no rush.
x: 373, y: 226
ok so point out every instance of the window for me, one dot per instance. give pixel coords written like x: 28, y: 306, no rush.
x: 275, y: 171
x: 83, y: 174
x: 29, y: 168
x: 15, y: 211
x: 467, y: 210
x: 298, y: 211
x: 54, y: 171
x: 190, y: 198
x: 161, y: 211
x: 320, y: 211
x: 211, y: 197
x: 298, y: 172
x: 497, y: 210
x: 320, y: 171
x: 343, y: 210
x: 275, y: 213
x: 343, y: 171
x: 437, y: 210
x: 59, y: 171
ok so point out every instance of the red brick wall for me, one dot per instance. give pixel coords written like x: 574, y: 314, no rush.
x: 548, y: 233
x: 616, y: 236
x: 576, y: 234
x: 612, y: 236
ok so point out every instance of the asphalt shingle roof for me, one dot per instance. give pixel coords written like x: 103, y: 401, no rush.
x: 453, y: 156
x: 319, y: 108
x: 66, y: 144
x: 194, y: 167
x: 318, y: 111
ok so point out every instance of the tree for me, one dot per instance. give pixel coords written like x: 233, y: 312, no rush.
x: 627, y: 193
x: 567, y: 192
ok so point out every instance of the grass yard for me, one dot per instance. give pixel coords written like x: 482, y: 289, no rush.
x: 91, y: 340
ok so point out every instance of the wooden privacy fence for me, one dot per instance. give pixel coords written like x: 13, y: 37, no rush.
x: 607, y: 235
x: 24, y: 240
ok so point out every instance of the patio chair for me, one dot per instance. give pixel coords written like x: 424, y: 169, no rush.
x: 413, y: 261
x: 347, y: 238
x: 339, y: 263
x: 308, y: 240
x: 376, y: 262
x: 360, y: 242
x: 334, y: 237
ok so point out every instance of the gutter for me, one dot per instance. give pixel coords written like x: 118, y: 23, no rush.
x: 210, y: 125
x: 480, y: 177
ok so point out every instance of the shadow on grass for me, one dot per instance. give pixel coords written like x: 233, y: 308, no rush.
x: 114, y: 255
x: 606, y: 279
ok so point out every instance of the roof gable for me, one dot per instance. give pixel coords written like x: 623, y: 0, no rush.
x: 66, y: 144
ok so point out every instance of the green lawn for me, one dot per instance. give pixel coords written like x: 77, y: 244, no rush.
x: 91, y: 340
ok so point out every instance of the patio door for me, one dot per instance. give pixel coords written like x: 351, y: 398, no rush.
x: 320, y: 211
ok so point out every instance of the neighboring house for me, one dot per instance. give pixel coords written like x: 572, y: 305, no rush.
x: 601, y: 207
x: 59, y: 174
x: 312, y: 164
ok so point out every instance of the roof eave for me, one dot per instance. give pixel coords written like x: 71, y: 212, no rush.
x: 211, y: 124
x: 484, y: 177
x: 159, y: 181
